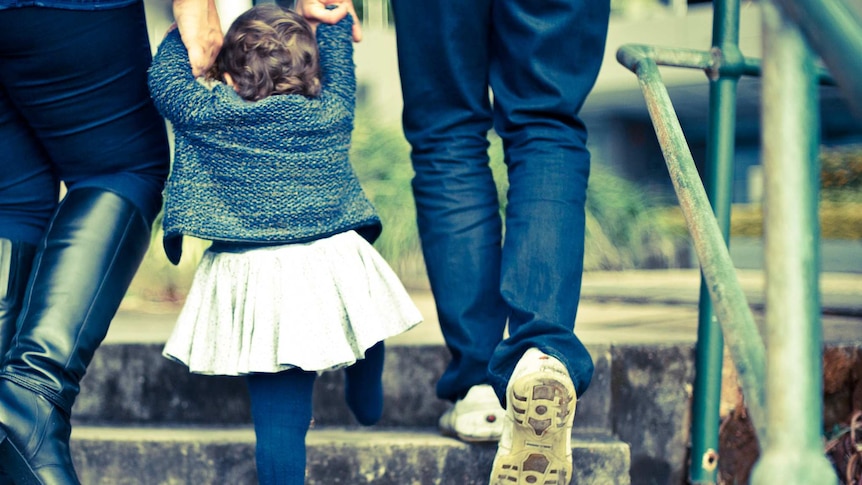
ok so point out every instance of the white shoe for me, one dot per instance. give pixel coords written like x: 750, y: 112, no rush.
x: 536, y: 445
x: 477, y: 417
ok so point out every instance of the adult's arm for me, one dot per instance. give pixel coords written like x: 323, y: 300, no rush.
x: 200, y: 29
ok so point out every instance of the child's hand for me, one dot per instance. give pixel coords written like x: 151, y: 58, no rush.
x: 329, y: 12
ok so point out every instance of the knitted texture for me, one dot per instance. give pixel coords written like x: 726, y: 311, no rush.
x: 271, y: 170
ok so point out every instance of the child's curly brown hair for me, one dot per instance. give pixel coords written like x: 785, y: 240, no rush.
x: 269, y: 50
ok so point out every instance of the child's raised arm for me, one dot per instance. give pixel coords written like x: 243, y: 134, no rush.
x: 338, y: 73
x: 175, y: 92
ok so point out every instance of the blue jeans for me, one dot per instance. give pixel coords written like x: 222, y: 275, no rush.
x: 74, y: 107
x: 68, y: 4
x: 540, y: 59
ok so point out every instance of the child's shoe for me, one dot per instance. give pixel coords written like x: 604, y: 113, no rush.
x: 536, y: 444
x: 477, y: 417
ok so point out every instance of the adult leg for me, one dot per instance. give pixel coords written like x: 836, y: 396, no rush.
x: 542, y: 367
x: 16, y: 259
x: 281, y: 410
x: 28, y: 196
x: 29, y: 186
x: 88, y: 258
x: 92, y: 116
x: 443, y: 60
x: 90, y: 112
x: 538, y: 93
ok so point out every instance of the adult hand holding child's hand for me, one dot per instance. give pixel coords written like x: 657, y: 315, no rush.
x: 200, y: 30
x: 329, y: 12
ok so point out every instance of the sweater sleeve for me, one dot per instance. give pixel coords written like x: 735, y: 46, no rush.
x: 336, y: 59
x: 175, y: 92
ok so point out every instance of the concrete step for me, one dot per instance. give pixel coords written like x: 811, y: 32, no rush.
x: 131, y: 383
x: 641, y: 394
x: 640, y: 328
x: 623, y: 316
x: 225, y: 455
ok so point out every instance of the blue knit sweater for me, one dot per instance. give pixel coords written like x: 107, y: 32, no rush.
x: 274, y: 170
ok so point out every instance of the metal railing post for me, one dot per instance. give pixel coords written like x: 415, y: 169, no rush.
x: 718, y: 182
x: 793, y: 451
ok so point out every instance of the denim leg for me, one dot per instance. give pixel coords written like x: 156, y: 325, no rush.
x: 29, y: 188
x: 443, y: 60
x: 82, y: 90
x: 540, y: 78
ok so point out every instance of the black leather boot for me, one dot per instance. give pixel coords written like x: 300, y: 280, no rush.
x: 16, y: 259
x: 92, y: 249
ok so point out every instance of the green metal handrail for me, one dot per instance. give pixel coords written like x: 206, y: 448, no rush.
x: 794, y: 448
x: 786, y: 413
x: 744, y: 342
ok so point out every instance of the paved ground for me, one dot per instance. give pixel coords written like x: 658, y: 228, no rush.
x: 616, y: 307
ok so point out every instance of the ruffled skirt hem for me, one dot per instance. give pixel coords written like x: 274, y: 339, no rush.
x: 317, y: 306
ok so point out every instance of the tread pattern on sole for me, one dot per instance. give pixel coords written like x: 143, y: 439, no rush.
x: 541, y: 408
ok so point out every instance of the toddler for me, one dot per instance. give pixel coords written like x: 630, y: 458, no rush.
x: 290, y: 285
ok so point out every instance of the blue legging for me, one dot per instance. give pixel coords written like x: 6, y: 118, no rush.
x: 281, y: 410
x: 74, y: 107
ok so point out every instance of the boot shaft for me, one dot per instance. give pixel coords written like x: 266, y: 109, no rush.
x: 16, y: 260
x: 84, y: 265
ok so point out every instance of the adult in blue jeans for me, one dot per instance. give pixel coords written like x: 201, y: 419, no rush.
x: 540, y: 59
x: 74, y: 108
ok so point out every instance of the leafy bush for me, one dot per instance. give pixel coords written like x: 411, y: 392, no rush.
x: 381, y: 158
x: 628, y: 228
x: 841, y: 168
x: 840, y: 205
x: 838, y: 220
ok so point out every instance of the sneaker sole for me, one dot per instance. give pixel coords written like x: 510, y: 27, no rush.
x: 543, y: 408
x: 469, y: 438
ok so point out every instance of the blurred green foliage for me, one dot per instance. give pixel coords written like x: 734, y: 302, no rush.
x: 840, y: 208
x: 841, y: 172
x: 627, y: 227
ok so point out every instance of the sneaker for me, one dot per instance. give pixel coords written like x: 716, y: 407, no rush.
x: 476, y: 418
x: 536, y: 444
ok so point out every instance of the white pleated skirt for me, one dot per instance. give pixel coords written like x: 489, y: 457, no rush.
x: 317, y: 306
